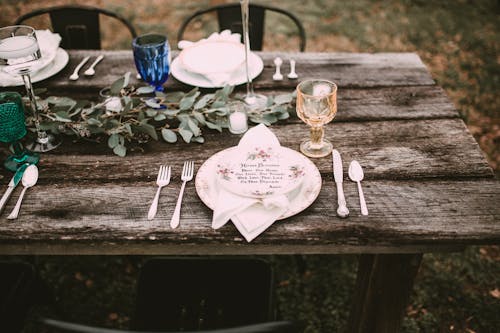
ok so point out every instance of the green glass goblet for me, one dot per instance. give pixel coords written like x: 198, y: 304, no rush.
x: 13, y: 129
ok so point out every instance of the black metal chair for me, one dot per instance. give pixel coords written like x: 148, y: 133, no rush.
x: 199, y: 294
x: 229, y: 17
x: 78, y: 25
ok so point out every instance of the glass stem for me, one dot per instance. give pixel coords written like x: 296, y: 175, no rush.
x: 246, y: 41
x: 317, y: 133
x: 42, y: 135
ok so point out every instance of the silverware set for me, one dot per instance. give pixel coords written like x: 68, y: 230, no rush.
x: 90, y: 71
x: 162, y: 180
x: 27, y: 174
x: 356, y: 175
x: 277, y: 76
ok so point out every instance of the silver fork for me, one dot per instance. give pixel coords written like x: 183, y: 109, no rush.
x: 187, y: 175
x: 162, y: 180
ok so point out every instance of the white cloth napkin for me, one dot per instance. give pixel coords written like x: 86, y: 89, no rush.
x: 251, y: 216
x: 48, y: 43
x: 222, y: 78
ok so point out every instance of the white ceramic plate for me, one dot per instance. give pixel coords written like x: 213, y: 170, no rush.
x: 60, y: 61
x: 255, y: 65
x: 261, y: 171
x: 212, y: 57
x: 207, y: 186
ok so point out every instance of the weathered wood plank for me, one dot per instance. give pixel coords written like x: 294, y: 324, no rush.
x: 419, y: 215
x: 385, y: 149
x: 347, y: 69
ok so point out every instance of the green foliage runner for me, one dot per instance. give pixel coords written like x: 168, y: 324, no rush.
x: 126, y: 115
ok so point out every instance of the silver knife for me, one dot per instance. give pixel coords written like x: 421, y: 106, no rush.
x: 342, y: 211
x: 12, y: 185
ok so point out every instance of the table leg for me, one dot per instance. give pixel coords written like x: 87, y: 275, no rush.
x: 383, y: 287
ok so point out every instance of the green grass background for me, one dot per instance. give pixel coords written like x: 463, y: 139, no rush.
x: 457, y: 40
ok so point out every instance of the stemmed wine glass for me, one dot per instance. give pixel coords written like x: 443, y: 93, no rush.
x: 316, y: 106
x: 12, y: 129
x: 19, y: 52
x: 254, y: 101
x: 152, y: 58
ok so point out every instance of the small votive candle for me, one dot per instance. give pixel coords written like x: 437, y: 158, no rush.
x: 238, y: 120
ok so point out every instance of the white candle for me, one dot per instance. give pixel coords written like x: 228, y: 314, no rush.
x: 238, y: 122
x: 17, y: 47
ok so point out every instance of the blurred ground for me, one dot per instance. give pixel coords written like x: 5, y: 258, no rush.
x: 458, y: 41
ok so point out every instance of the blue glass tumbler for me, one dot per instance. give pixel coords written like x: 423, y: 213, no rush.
x: 152, y: 59
x: 13, y: 129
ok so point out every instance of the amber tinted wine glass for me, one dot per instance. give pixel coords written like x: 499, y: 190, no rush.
x: 316, y: 106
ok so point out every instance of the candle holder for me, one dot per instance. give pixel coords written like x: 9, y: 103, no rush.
x: 238, y: 119
x: 256, y: 102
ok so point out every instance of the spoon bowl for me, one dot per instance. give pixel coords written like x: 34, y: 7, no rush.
x: 30, y: 177
x: 356, y: 174
x: 356, y: 171
x: 91, y: 71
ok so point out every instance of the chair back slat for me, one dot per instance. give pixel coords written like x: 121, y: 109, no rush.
x: 78, y: 29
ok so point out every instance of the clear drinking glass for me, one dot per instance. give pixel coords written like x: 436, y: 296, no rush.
x: 152, y: 59
x: 19, y: 52
x: 13, y: 129
x: 316, y: 106
x: 254, y: 101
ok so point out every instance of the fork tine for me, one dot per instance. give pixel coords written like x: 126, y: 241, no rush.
x: 168, y: 171
x: 191, y: 169
x: 159, y: 173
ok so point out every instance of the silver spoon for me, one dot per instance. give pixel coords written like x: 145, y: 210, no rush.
x: 277, y: 76
x: 30, y: 177
x: 292, y: 75
x: 75, y: 76
x: 356, y: 174
x: 90, y: 71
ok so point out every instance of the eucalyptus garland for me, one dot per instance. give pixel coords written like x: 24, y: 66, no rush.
x: 127, y: 115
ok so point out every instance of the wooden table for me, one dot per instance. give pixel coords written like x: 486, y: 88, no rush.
x: 428, y: 186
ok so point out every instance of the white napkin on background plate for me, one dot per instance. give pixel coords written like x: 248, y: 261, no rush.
x: 48, y: 43
x: 251, y: 216
x: 218, y: 78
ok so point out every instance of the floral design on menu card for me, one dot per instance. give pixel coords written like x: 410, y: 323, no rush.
x: 224, y: 172
x: 297, y: 171
x: 261, y: 154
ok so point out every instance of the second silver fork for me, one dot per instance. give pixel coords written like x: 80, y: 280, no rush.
x: 187, y: 175
x: 162, y: 180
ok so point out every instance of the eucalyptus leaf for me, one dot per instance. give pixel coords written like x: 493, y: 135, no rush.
x: 113, y: 140
x: 152, y: 103
x: 214, y: 126
x: 198, y: 139
x: 200, y: 117
x: 120, y: 150
x: 168, y: 135
x: 160, y: 117
x: 283, y: 99
x: 193, y: 127
x: 185, y: 134
x: 149, y: 130
x: 117, y: 86
x: 145, y: 90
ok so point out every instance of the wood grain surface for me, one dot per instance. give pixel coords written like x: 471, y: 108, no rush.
x: 427, y: 184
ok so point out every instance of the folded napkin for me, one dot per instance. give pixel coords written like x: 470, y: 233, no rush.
x: 220, y: 78
x: 250, y: 215
x: 48, y: 43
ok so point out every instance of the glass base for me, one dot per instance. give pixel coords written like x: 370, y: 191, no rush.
x: 43, y: 145
x: 308, y: 149
x: 12, y: 163
x: 256, y: 102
